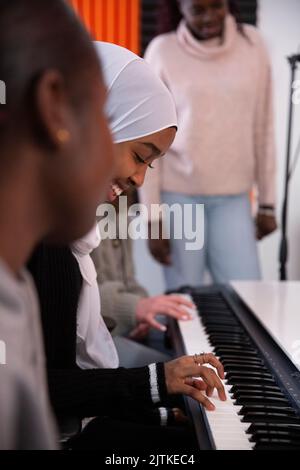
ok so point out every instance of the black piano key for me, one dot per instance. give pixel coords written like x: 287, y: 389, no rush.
x: 274, y: 427
x: 222, y: 322
x: 260, y: 392
x: 263, y: 388
x: 219, y: 336
x: 254, y: 416
x: 259, y: 435
x: 276, y: 444
x: 219, y: 317
x: 250, y: 374
x: 215, y: 304
x: 243, y: 350
x: 242, y: 361
x: 253, y: 408
x: 229, y: 354
x: 225, y: 329
x: 230, y: 342
x: 253, y: 399
x: 224, y: 340
x: 241, y: 379
x: 238, y: 349
x: 238, y: 367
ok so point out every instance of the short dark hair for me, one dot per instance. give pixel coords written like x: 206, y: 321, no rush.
x: 35, y: 36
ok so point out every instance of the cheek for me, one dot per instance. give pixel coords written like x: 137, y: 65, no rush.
x: 82, y: 181
x: 221, y: 15
x: 96, y: 164
x: 100, y: 158
x: 125, y: 166
x: 75, y: 213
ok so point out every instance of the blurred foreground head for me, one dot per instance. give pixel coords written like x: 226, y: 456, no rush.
x: 53, y: 133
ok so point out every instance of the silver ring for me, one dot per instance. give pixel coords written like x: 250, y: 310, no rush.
x: 196, y: 357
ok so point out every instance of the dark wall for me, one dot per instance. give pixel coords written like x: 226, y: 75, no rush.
x: 248, y: 9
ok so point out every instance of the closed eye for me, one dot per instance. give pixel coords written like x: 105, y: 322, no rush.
x: 140, y: 160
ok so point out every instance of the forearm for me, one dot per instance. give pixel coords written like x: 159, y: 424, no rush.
x: 120, y: 305
x: 87, y: 393
x: 265, y: 147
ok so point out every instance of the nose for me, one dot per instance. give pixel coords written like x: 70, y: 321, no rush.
x: 207, y: 16
x: 139, y: 177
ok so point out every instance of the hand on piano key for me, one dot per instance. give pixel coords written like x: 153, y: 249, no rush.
x: 180, y: 374
x: 229, y: 432
x: 173, y: 306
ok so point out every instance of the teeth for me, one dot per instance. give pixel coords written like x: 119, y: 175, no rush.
x: 116, y: 189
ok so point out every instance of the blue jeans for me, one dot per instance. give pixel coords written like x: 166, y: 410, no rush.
x: 230, y: 250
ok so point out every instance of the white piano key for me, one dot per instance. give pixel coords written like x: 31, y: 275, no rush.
x: 227, y: 429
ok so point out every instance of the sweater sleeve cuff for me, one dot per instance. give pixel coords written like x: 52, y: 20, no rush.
x: 158, y: 388
x: 164, y: 415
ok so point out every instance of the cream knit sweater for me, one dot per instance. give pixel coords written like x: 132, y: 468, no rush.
x: 223, y: 93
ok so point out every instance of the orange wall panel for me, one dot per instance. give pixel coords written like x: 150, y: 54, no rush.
x: 116, y: 21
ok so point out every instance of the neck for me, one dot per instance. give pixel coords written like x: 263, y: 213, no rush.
x: 22, y: 221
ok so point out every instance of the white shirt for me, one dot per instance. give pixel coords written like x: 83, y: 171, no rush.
x: 94, y: 347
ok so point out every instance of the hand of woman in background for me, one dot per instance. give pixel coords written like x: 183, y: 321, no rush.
x: 265, y: 223
x: 169, y: 305
x: 140, y: 332
x: 159, y: 248
x: 182, y: 377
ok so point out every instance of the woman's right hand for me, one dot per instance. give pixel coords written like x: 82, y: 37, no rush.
x: 174, y: 306
x: 182, y: 377
x: 160, y: 248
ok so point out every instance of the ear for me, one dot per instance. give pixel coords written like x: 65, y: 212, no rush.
x: 53, y: 108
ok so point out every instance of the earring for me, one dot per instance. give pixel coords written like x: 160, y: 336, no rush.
x: 63, y: 136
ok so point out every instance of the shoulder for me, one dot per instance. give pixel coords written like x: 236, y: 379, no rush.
x: 161, y: 44
x: 255, y: 36
x: 257, y: 43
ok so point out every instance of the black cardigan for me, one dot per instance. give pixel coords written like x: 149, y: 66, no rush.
x: 73, y: 391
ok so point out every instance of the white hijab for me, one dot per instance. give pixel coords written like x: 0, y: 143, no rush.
x: 138, y: 105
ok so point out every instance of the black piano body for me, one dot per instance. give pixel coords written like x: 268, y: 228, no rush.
x: 262, y: 377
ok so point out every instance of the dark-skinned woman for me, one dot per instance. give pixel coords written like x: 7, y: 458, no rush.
x: 84, y: 378
x: 219, y: 74
x: 56, y: 161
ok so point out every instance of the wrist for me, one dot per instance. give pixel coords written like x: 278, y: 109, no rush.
x: 139, y: 311
x: 265, y: 209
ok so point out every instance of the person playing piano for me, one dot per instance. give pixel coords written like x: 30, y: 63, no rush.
x: 85, y: 381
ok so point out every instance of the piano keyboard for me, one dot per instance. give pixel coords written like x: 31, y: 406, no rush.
x: 257, y: 414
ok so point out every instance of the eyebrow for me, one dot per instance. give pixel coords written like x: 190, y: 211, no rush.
x: 155, y: 150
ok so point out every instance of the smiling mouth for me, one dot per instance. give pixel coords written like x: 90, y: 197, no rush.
x: 210, y: 28
x: 115, y: 191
